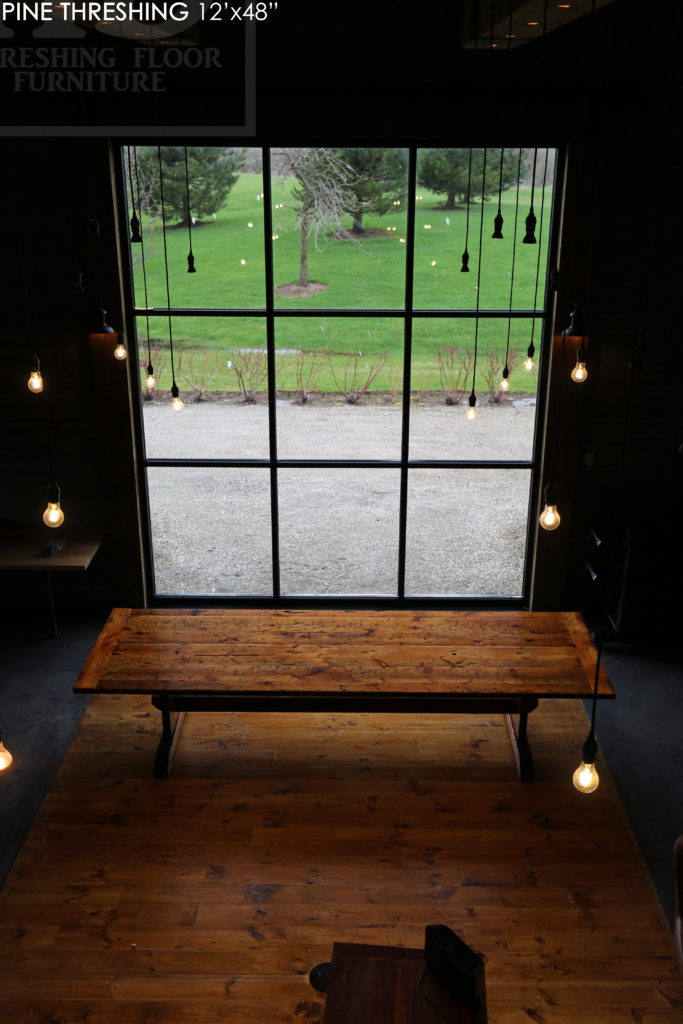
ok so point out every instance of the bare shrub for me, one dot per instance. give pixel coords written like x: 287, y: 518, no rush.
x: 307, y: 370
x: 492, y: 368
x: 395, y: 383
x: 251, y: 370
x: 454, y: 371
x: 197, y: 370
x: 356, y: 380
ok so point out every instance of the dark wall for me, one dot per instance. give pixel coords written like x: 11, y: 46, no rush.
x: 592, y: 87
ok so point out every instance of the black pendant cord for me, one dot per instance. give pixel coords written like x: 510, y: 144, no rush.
x: 506, y: 371
x: 540, y: 237
x: 492, y: 18
x: 498, y: 219
x: 530, y: 237
x: 174, y: 386
x: 150, y: 368
x: 465, y: 268
x: 191, y: 269
x: 545, y: 17
x: 135, y: 233
x: 510, y: 26
x: 27, y: 304
x: 481, y: 239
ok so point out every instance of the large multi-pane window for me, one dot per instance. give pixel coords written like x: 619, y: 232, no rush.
x: 345, y: 307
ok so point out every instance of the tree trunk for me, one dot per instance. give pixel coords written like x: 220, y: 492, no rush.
x: 450, y: 201
x: 303, y: 266
x: 357, y: 228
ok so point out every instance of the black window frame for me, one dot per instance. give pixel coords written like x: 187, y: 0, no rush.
x: 270, y: 313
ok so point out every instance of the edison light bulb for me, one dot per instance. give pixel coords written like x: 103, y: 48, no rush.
x: 505, y: 384
x: 53, y: 515
x: 471, y: 413
x: 529, y: 364
x: 150, y: 382
x: 586, y: 778
x: 120, y: 351
x: 5, y: 757
x: 35, y: 382
x: 579, y: 373
x: 550, y: 517
x: 177, y: 403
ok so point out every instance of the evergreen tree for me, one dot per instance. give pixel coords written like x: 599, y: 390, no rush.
x: 382, y: 175
x: 212, y: 171
x: 445, y: 171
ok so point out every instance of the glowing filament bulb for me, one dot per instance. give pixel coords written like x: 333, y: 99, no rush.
x: 177, y: 403
x: 35, y: 381
x: 471, y: 413
x: 5, y: 757
x: 505, y: 382
x: 120, y: 350
x: 550, y: 517
x: 586, y: 778
x: 579, y: 373
x: 150, y: 379
x: 529, y: 364
x: 53, y: 515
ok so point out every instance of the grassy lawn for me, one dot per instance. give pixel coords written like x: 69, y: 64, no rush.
x: 229, y: 256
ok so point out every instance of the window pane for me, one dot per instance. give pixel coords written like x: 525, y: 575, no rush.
x: 351, y: 205
x: 350, y: 371
x: 218, y: 361
x: 441, y: 232
x: 228, y: 240
x: 466, y: 532
x: 338, y: 531
x: 210, y: 530
x: 442, y: 375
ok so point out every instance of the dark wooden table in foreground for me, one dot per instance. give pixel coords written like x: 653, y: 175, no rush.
x: 388, y: 985
x: 339, y: 660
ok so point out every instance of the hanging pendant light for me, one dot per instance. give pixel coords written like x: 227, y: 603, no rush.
x: 529, y: 363
x: 530, y: 223
x: 191, y: 269
x: 53, y: 515
x: 150, y: 379
x: 505, y: 382
x: 5, y: 756
x: 498, y: 219
x: 176, y: 403
x: 573, y: 334
x: 550, y: 517
x: 586, y: 778
x: 35, y: 381
x: 135, y: 235
x: 120, y: 350
x: 465, y: 268
x: 471, y: 413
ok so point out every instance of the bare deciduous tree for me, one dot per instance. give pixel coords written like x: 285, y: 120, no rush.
x: 322, y: 194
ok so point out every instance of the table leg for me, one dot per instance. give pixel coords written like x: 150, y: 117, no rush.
x: 171, y: 726
x: 518, y: 738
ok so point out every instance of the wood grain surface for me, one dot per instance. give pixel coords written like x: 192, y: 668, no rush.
x: 343, y: 652
x: 209, y: 896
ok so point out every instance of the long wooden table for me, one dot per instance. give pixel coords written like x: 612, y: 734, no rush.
x: 399, y: 661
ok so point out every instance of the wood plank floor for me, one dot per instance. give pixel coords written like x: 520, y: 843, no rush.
x: 207, y: 897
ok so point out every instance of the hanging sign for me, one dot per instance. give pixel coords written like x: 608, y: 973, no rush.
x: 129, y: 67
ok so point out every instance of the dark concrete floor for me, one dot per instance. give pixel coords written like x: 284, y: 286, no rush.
x: 640, y: 735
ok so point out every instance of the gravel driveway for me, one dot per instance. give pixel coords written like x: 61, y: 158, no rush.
x: 466, y: 528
